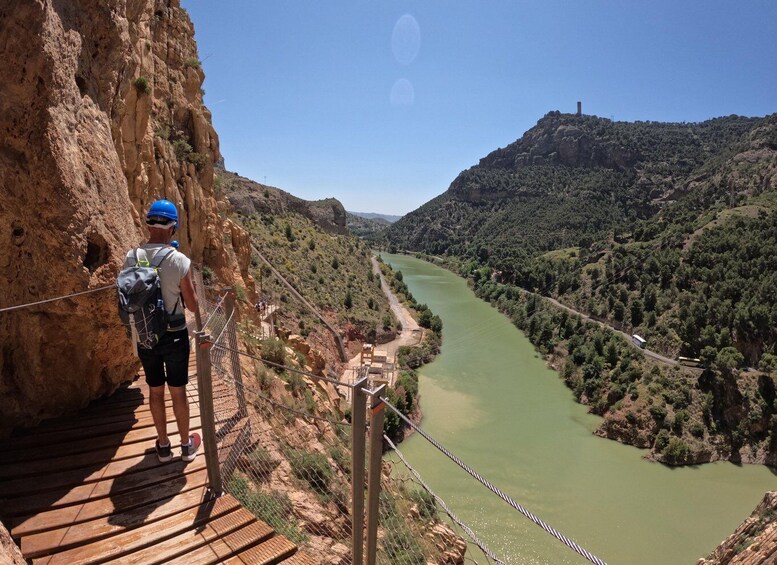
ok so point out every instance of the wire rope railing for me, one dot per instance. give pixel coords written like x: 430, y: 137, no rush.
x: 496, y: 490
x: 249, y: 451
x: 271, y: 441
x: 466, y: 529
x: 56, y: 298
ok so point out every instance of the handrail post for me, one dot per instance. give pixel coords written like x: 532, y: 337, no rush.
x: 229, y: 311
x: 377, y: 413
x: 203, y: 344
x: 358, y: 450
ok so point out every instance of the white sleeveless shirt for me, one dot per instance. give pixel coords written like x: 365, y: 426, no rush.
x: 173, y: 269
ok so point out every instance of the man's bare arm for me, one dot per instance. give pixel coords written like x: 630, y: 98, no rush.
x: 189, y: 296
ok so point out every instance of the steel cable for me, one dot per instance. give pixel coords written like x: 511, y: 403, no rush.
x: 444, y: 506
x: 29, y: 304
x: 279, y: 366
x: 549, y: 529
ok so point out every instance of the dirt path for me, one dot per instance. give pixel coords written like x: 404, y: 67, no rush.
x: 411, y: 331
x: 410, y: 335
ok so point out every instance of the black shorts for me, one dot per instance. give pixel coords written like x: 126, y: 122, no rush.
x: 168, y: 361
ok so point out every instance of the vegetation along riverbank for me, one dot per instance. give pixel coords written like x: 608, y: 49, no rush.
x: 665, y: 230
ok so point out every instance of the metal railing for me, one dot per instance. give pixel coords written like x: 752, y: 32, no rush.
x: 302, y: 470
x: 315, y: 475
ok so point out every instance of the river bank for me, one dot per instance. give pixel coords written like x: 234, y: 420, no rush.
x: 681, y: 416
x: 411, y: 333
x: 490, y: 399
x: 414, y: 347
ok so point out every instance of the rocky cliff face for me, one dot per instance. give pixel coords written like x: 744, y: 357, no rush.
x: 754, y: 542
x: 565, y: 139
x: 101, y: 113
x: 248, y: 197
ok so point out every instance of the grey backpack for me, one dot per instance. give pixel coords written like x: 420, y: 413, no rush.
x: 141, y: 307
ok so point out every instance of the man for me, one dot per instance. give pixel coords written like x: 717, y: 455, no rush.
x: 168, y: 361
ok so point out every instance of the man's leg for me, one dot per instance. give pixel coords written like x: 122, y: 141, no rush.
x: 153, y: 365
x: 181, y: 411
x: 158, y: 413
x: 177, y: 368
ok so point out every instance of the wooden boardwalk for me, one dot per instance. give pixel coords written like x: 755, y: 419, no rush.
x: 88, y: 488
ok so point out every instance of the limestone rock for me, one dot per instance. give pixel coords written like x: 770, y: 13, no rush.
x: 451, y: 547
x: 10, y: 554
x: 298, y: 343
x: 101, y: 113
x: 754, y: 542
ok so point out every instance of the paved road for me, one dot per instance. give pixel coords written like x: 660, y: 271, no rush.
x: 648, y: 353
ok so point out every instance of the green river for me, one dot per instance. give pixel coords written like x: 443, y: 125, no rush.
x: 491, y: 400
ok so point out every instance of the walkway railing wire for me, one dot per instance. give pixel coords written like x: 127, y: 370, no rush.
x: 57, y: 298
x: 270, y: 435
x: 549, y: 529
x: 466, y: 529
x: 256, y: 461
x: 291, y: 464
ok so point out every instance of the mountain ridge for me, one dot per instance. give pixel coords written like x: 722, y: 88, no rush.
x: 663, y: 230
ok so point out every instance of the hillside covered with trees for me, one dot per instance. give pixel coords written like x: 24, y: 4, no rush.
x: 308, y: 243
x: 665, y: 230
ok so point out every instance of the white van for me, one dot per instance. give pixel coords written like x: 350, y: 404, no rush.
x: 638, y: 341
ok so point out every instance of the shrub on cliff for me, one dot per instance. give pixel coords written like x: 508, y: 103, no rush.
x: 312, y: 467
x: 142, y: 85
x: 677, y: 451
x: 273, y: 351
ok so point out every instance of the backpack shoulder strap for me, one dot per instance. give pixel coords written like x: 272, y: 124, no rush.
x: 141, y: 259
x: 160, y: 256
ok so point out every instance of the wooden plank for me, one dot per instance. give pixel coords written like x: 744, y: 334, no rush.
x: 181, y: 546
x: 67, y: 427
x: 274, y: 550
x: 57, y: 479
x: 91, y: 459
x: 219, y: 550
x: 102, y: 507
x: 302, y: 558
x: 104, y: 426
x: 75, y: 419
x: 40, y: 502
x: 153, y: 542
x: 141, y: 432
x: 67, y: 537
x: 72, y: 416
x: 95, y: 412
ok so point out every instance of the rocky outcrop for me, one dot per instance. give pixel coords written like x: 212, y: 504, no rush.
x: 754, y: 542
x: 101, y: 113
x: 564, y: 139
x: 10, y: 554
x: 248, y: 197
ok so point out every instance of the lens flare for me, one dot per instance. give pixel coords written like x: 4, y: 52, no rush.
x: 406, y: 40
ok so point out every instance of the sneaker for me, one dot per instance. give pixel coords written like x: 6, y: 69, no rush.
x: 189, y: 452
x: 165, y: 453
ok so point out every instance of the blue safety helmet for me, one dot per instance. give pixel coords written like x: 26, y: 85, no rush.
x: 174, y: 243
x: 162, y: 210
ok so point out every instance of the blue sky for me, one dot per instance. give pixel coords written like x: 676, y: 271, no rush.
x: 382, y: 103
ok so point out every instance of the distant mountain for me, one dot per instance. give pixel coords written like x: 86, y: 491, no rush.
x: 666, y: 230
x: 388, y: 218
x: 367, y: 228
x: 309, y: 244
x: 569, y: 180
